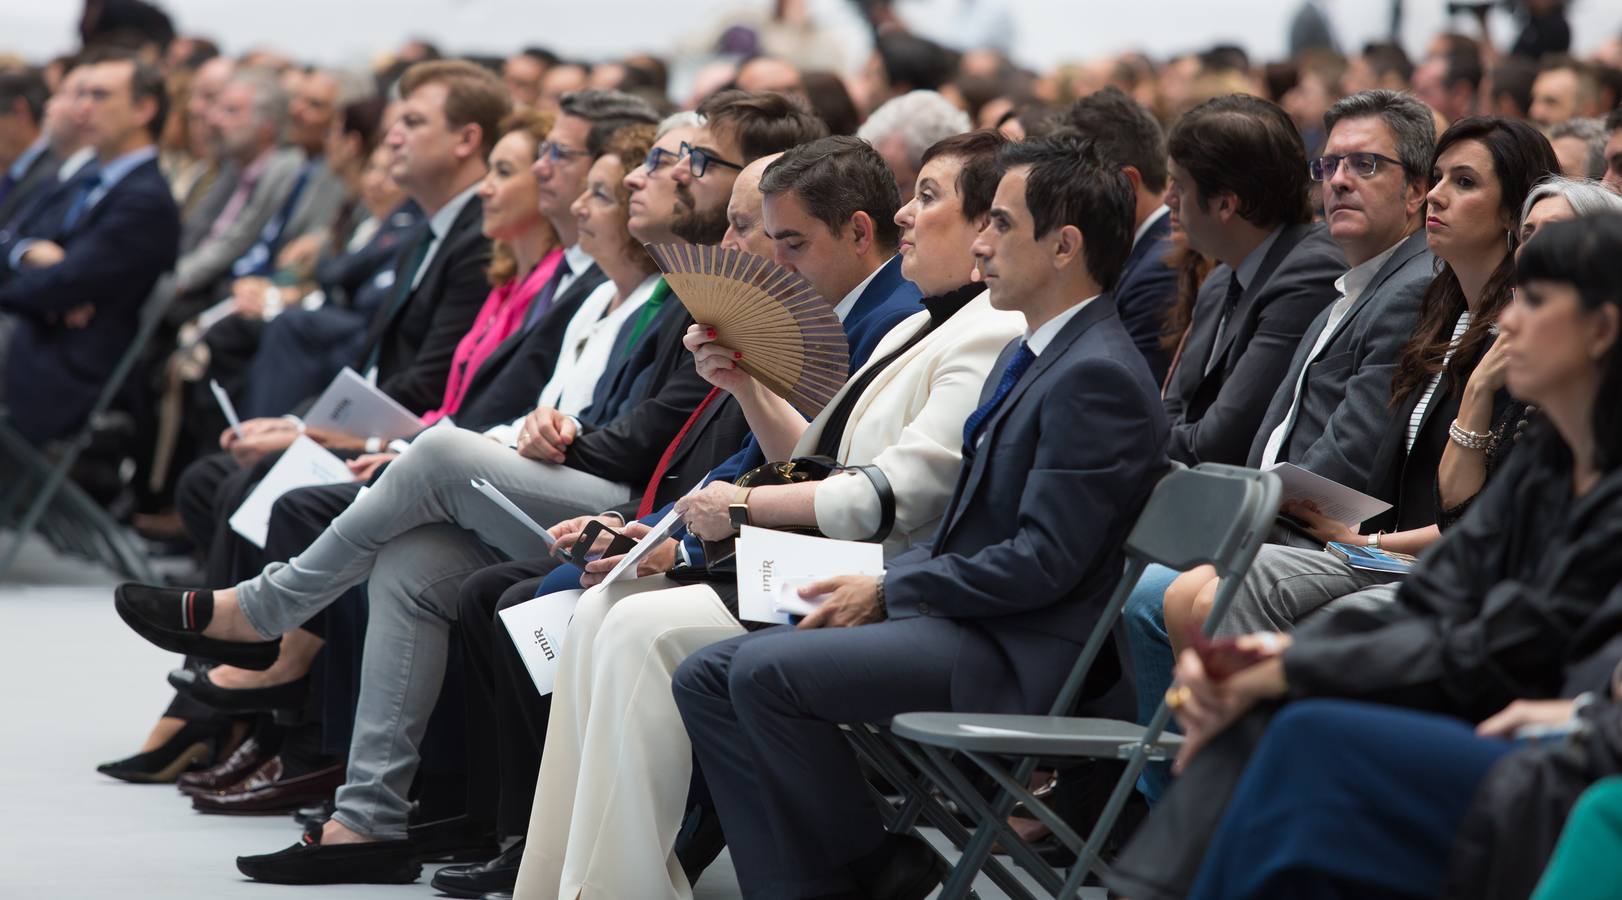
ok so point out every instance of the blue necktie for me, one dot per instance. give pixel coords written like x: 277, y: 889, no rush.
x: 1010, y: 376
x: 87, y: 186
x: 548, y: 293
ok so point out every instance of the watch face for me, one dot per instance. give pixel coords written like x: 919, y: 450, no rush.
x: 739, y: 514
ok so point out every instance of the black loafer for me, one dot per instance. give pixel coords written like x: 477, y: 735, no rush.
x: 909, y: 871
x: 475, y: 880
x: 139, y: 606
x: 196, y: 685
x: 311, y: 862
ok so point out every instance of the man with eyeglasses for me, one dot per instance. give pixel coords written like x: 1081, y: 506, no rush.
x: 1329, y: 411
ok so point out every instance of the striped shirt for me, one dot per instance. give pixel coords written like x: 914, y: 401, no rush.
x: 1430, y: 388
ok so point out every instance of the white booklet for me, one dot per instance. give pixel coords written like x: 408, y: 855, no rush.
x: 304, y: 464
x: 510, y: 508
x: 1335, y: 500
x: 773, y: 565
x: 537, y: 628
x: 355, y: 406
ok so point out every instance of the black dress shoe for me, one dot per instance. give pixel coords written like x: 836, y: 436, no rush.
x: 312, y: 862
x: 498, y: 895
x: 458, y: 839
x: 904, y: 868
x: 145, y: 609
x: 197, y: 685
x: 193, y: 745
x: 477, y: 879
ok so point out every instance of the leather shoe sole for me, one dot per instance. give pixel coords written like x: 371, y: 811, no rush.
x: 257, y: 655
x: 380, y: 862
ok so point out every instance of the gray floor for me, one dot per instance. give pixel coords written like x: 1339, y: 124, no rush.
x: 76, y: 689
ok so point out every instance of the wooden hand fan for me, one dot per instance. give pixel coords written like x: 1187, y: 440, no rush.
x: 790, y: 339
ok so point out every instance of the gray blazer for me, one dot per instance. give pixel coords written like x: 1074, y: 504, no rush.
x: 211, y: 259
x: 1346, y: 399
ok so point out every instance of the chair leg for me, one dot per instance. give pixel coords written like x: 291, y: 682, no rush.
x: 992, y: 824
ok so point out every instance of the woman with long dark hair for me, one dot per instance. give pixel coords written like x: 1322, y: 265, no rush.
x: 1511, y: 602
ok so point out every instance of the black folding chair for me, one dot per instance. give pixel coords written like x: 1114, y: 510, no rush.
x: 1212, y: 514
x: 57, y: 508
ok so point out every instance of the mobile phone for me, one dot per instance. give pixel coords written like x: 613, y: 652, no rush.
x: 1222, y: 657
x: 579, y: 554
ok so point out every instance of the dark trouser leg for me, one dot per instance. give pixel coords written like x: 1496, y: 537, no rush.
x: 1163, y: 858
x: 503, y: 752
x: 763, y: 713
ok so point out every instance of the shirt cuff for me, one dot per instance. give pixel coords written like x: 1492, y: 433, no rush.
x: 19, y: 249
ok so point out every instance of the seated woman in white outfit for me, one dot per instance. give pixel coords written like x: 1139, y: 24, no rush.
x: 617, y: 760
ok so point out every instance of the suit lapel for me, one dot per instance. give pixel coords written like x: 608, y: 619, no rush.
x: 1095, y: 312
x: 1411, y: 247
x: 1287, y: 241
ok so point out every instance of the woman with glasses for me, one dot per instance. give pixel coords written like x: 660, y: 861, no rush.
x: 1362, y: 795
x: 1453, y: 425
x: 617, y: 760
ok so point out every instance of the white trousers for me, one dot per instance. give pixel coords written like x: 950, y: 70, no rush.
x: 617, y: 762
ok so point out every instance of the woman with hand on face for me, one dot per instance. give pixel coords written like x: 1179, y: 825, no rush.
x: 1338, y: 798
x: 1452, y: 423
x: 616, y: 759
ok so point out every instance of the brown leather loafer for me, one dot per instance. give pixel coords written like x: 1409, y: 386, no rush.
x: 269, y: 790
x: 249, y: 756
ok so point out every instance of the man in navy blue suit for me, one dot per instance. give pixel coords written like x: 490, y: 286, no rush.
x: 1058, y: 459
x: 1127, y: 135
x: 77, y: 270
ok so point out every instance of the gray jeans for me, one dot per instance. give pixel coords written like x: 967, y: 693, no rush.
x: 1286, y: 584
x: 415, y: 535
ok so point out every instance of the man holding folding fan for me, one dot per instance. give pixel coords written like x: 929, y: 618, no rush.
x: 1066, y: 444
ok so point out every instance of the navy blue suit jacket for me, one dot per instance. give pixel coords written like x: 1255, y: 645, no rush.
x: 1030, y: 546
x: 1146, y: 290
x: 115, y: 255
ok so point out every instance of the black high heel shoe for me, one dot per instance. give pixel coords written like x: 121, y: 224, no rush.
x: 194, y: 745
x: 195, y: 683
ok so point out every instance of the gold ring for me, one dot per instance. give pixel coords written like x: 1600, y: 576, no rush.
x: 1176, y: 696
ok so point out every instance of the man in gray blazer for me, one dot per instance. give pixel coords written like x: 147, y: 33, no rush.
x: 1335, y: 401
x: 1239, y: 190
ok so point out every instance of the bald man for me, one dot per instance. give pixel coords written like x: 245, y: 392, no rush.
x: 745, y: 230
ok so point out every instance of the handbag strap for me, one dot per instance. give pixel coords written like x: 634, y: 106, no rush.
x: 881, y: 484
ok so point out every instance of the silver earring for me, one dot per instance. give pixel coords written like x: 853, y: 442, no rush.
x: 1509, y: 240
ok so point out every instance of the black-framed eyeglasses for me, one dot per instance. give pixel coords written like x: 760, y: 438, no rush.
x: 699, y: 160
x: 555, y: 152
x: 658, y: 158
x: 1363, y: 164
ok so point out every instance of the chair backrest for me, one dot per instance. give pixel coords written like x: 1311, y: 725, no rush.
x: 1211, y: 514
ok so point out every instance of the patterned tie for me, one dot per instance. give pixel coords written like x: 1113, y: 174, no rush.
x: 87, y: 186
x: 1010, y: 376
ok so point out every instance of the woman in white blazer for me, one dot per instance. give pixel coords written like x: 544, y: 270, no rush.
x: 617, y: 764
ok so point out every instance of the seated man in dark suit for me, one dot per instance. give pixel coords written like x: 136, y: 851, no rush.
x: 1065, y: 447
x: 26, y: 157
x: 1239, y: 191
x: 77, y: 280
x: 1128, y: 136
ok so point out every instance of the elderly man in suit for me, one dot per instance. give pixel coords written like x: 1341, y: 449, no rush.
x: 78, y: 276
x: 1334, y: 403
x: 990, y: 615
x: 1128, y: 135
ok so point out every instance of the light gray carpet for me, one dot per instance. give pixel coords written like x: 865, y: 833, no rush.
x: 77, y: 688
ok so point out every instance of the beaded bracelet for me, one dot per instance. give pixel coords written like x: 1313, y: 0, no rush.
x: 1469, y: 440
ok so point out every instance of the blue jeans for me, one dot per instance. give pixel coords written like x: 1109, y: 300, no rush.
x: 1152, y: 661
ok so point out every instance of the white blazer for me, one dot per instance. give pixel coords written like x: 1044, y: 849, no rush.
x: 909, y: 423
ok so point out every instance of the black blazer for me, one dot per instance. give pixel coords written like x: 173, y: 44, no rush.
x: 1029, y: 548
x: 1497, y: 610
x: 40, y: 177
x: 419, y: 337
x: 115, y: 255
x: 1146, y: 290
x: 508, y: 382
x: 657, y: 390
x: 1215, y: 416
